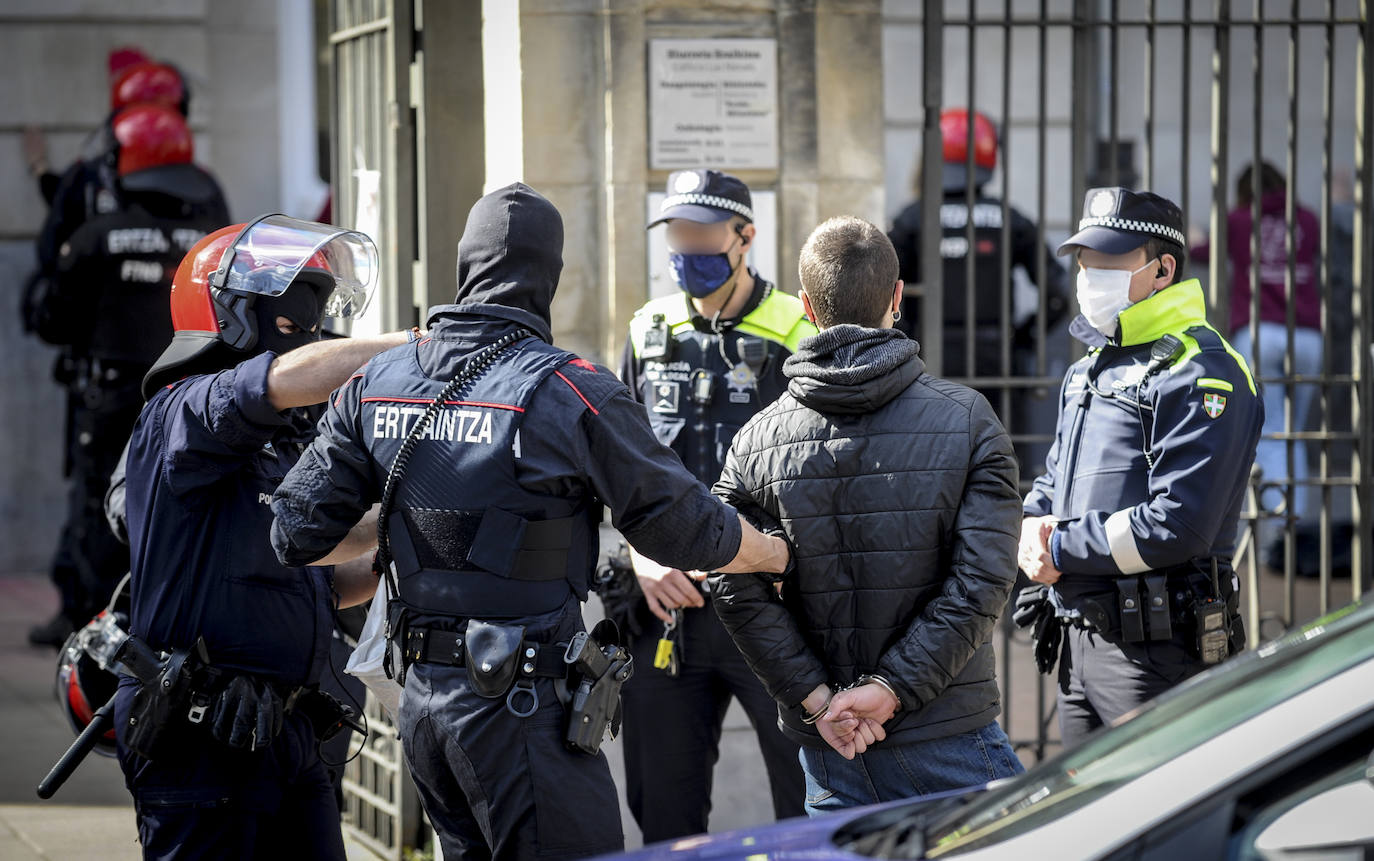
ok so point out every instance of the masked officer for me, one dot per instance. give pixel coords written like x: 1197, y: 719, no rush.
x: 106, y: 306
x: 218, y: 742
x: 492, y: 452
x: 702, y: 362
x: 993, y: 318
x: 1133, y: 523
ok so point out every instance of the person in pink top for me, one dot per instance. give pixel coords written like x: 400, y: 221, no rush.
x: 1271, y: 357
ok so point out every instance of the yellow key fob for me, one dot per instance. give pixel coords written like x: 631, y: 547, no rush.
x: 663, y: 658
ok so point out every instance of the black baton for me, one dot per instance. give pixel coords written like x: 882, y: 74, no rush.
x: 100, y: 723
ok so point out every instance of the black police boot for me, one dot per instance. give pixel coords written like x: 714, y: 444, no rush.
x: 54, y: 633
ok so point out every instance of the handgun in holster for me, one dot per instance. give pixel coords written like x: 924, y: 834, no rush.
x: 164, y: 693
x: 598, y: 665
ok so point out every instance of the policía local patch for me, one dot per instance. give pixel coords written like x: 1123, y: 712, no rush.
x: 1215, y: 405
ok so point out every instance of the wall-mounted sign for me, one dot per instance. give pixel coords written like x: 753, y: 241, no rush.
x: 713, y: 103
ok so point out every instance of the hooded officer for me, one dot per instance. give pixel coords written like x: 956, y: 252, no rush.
x: 1133, y: 524
x: 493, y: 452
x: 106, y: 305
x: 224, y: 762
x: 702, y: 362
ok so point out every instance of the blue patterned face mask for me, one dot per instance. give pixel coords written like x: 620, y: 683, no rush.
x: 700, y: 275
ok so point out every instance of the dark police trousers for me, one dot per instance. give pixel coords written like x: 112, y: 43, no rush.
x: 203, y: 800
x: 500, y: 786
x: 90, y: 561
x: 1102, y: 678
x: 673, y: 727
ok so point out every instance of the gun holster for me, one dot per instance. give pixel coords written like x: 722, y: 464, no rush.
x: 599, y: 664
x: 163, y: 698
x: 493, y: 655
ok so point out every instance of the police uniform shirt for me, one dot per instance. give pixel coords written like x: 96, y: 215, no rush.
x: 1148, y: 469
x: 704, y: 385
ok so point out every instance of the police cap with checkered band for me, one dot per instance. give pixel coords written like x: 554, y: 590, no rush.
x: 1118, y: 220
x: 706, y: 197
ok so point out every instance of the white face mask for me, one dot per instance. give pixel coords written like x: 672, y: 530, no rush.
x: 1105, y: 293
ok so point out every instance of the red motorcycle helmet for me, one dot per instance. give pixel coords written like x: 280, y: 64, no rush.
x: 222, y: 275
x: 87, y: 674
x: 150, y: 83
x: 150, y: 136
x: 954, y: 132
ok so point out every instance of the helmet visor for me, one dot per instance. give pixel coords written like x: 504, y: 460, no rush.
x: 271, y: 252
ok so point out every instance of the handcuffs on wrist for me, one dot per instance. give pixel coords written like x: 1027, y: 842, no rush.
x: 811, y: 719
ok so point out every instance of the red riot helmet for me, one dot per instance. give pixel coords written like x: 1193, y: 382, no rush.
x: 954, y: 131
x: 87, y: 673
x: 150, y: 83
x: 233, y: 281
x: 149, y: 136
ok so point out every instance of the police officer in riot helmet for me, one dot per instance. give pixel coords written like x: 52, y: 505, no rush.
x: 994, y: 320
x: 106, y: 305
x: 219, y: 722
x: 702, y: 361
x: 492, y: 452
x: 1129, y: 533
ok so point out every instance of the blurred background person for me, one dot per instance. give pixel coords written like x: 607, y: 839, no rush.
x: 1271, y: 359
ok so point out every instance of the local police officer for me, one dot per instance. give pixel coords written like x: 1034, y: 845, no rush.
x: 218, y: 725
x: 492, y: 452
x: 107, y: 306
x: 702, y: 361
x: 1133, y: 524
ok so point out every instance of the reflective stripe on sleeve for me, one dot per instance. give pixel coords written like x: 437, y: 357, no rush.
x: 1121, y: 540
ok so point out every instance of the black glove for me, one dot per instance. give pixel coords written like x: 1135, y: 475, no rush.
x: 1032, y: 602
x: 1048, y: 634
x: 247, y: 715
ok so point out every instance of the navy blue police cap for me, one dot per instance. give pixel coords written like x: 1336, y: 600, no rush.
x: 1118, y: 220
x: 706, y: 197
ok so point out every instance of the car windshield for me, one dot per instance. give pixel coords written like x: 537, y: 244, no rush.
x: 1197, y: 710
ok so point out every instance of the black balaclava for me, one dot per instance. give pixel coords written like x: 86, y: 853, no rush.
x: 301, y: 304
x: 510, y: 257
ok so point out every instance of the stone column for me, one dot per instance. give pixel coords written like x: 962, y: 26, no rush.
x: 567, y: 111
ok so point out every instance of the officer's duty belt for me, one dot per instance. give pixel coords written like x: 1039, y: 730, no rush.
x: 436, y: 646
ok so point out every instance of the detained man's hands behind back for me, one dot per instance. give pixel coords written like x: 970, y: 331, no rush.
x: 855, y: 718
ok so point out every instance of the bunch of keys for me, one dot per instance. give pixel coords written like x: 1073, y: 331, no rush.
x: 666, y: 658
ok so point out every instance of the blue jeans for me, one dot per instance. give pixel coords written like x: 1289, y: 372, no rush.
x: 891, y: 773
x: 1271, y: 454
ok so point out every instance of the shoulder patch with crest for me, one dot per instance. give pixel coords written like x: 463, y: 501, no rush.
x: 1214, y: 404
